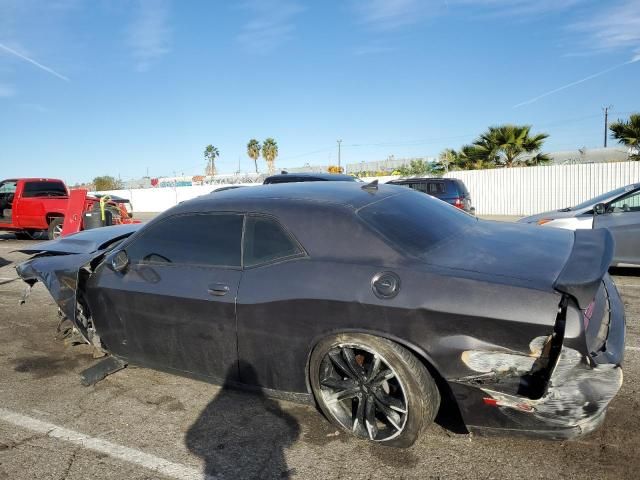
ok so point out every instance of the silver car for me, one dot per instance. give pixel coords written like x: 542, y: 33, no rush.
x: 617, y: 210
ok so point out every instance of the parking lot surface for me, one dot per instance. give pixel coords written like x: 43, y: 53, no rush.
x: 143, y: 424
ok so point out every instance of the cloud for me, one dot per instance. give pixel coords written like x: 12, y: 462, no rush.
x: 33, y: 62
x: 34, y: 107
x: 149, y: 34
x: 394, y: 14
x: 271, y: 24
x: 616, y: 26
x: 372, y: 49
x: 391, y: 14
x: 577, y: 82
x: 6, y: 91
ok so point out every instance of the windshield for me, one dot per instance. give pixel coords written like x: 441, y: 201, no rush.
x: 603, y: 197
x: 415, y: 222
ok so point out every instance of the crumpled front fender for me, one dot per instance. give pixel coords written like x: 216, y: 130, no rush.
x: 60, y: 274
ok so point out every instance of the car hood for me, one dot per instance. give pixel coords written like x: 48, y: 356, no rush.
x: 509, y: 253
x: 87, y: 241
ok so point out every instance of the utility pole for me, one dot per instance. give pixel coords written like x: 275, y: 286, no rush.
x: 606, y: 123
x: 339, y: 142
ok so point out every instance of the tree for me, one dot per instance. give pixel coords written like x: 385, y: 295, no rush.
x: 253, y: 150
x: 416, y: 167
x: 210, y: 155
x: 628, y: 133
x: 270, y: 153
x: 106, y: 183
x: 448, y: 160
x: 506, y: 146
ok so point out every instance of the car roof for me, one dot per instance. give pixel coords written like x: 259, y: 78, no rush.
x: 32, y: 179
x: 422, y: 179
x: 348, y: 194
x: 335, y: 177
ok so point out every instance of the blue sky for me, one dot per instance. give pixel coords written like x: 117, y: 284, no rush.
x: 116, y: 87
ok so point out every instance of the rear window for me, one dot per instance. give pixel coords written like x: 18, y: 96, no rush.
x: 462, y: 188
x: 415, y: 223
x: 44, y: 189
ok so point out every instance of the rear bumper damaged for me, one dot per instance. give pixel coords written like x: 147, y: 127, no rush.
x: 572, y: 401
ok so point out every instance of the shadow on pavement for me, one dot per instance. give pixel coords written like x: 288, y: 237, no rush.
x: 4, y: 262
x: 625, y: 271
x: 243, y: 435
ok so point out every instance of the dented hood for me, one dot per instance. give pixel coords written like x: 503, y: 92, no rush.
x: 86, y: 241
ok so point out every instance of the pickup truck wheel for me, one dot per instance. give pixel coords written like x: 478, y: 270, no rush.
x: 55, y: 228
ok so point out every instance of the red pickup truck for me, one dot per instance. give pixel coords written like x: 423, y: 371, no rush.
x: 31, y: 205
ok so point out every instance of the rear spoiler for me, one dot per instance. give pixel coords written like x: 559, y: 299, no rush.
x: 588, y: 262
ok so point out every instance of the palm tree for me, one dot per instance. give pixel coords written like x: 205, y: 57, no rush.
x: 448, y: 160
x: 505, y: 146
x: 628, y: 134
x: 210, y: 155
x: 253, y: 150
x: 270, y: 153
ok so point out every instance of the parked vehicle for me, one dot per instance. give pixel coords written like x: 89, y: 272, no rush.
x: 29, y: 206
x: 342, y: 294
x: 285, y: 177
x: 125, y: 202
x: 450, y: 190
x: 32, y: 205
x: 618, y: 211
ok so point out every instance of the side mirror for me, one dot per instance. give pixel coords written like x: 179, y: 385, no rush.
x: 600, y: 209
x: 120, y: 261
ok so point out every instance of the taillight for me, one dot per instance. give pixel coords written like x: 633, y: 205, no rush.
x: 586, y: 316
x: 458, y: 202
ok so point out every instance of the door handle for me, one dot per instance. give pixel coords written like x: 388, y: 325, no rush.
x: 219, y: 289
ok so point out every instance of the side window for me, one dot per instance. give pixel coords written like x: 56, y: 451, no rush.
x: 8, y: 187
x: 436, y: 188
x: 421, y: 187
x: 265, y: 241
x: 630, y: 203
x: 192, y: 239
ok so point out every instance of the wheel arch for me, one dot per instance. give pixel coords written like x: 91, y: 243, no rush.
x: 51, y: 215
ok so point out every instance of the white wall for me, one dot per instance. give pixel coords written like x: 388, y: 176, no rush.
x: 160, y: 199
x: 530, y: 190
x: 505, y: 191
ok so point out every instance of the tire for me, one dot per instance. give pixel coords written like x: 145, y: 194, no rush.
x: 55, y: 228
x: 359, y: 380
x: 26, y: 235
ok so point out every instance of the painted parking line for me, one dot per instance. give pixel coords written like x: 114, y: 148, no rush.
x: 127, y: 454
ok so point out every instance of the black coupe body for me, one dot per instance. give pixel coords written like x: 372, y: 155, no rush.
x: 378, y: 303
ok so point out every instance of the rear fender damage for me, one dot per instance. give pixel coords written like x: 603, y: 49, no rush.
x: 555, y: 383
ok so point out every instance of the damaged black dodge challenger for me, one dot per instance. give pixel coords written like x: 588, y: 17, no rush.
x: 377, y: 303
